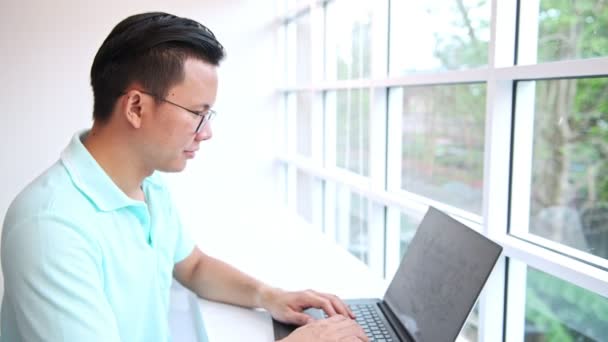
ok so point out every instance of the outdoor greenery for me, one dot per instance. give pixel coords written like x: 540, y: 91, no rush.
x: 559, y: 311
x: 570, y: 152
x: 570, y: 163
x: 570, y: 166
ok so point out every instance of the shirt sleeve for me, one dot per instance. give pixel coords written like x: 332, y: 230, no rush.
x: 54, y: 281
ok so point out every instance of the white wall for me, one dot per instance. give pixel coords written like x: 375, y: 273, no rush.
x: 46, y: 50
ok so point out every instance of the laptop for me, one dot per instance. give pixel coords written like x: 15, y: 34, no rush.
x: 434, y: 289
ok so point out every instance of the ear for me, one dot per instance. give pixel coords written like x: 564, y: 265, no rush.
x: 134, y: 108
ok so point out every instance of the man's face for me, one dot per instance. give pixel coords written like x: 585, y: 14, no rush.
x: 171, y: 130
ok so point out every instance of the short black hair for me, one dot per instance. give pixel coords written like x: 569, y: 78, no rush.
x: 148, y: 48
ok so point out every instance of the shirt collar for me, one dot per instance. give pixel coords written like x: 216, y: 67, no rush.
x: 91, y: 179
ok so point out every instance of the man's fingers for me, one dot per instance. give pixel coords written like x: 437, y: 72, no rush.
x: 321, y: 302
x: 337, y: 304
x: 351, y: 328
x: 298, y: 318
x: 346, y: 327
x: 341, y: 307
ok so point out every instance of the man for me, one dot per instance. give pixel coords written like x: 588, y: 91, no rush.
x: 89, y: 248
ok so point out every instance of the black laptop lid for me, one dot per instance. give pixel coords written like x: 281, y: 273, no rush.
x: 440, y: 278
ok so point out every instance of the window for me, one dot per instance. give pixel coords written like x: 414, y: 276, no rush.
x: 555, y: 310
x: 447, y: 35
x: 563, y: 30
x: 567, y: 122
x: 299, y: 50
x: 304, y: 126
x: 352, y: 223
x: 349, y: 39
x: 352, y: 130
x: 442, y: 142
x: 494, y: 111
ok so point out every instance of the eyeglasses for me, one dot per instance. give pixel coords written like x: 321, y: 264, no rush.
x: 205, y: 116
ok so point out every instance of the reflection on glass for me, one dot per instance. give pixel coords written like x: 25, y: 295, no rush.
x: 304, y: 124
x: 470, y: 330
x: 298, y: 49
x: 572, y: 29
x: 443, y: 143
x: 569, y: 191
x: 560, y: 311
x: 438, y: 35
x: 352, y: 130
x: 351, y: 28
x: 304, y: 193
x: 408, y: 227
x: 352, y: 223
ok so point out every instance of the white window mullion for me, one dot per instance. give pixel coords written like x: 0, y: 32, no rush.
x: 377, y: 133
x: 329, y: 160
x: 317, y: 28
x: 496, y: 200
x: 331, y: 66
x: 528, y: 22
x: 516, y: 302
x: 499, y: 111
x: 291, y: 142
x: 377, y: 165
x: 291, y: 53
x: 522, y: 157
x: 317, y: 123
x: 394, y: 140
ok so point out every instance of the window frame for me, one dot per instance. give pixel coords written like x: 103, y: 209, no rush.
x: 503, y: 136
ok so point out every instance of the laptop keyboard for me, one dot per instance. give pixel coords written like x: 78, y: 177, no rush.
x: 369, y: 320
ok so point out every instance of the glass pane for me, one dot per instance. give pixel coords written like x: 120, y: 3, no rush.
x: 305, y: 194
x: 569, y: 191
x: 350, y: 38
x: 443, y: 143
x: 569, y: 30
x: 295, y: 3
x: 352, y: 223
x: 560, y: 311
x: 446, y: 34
x: 304, y: 124
x: 282, y: 180
x: 408, y: 227
x: 470, y: 331
x: 299, y: 50
x: 352, y: 130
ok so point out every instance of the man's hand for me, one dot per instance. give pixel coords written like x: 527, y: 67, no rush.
x: 287, y: 306
x: 333, y: 329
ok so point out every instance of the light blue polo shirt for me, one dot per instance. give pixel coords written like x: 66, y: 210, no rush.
x: 84, y: 262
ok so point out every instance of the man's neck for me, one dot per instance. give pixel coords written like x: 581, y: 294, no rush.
x: 116, y: 157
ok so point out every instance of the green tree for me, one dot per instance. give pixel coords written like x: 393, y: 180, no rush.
x: 570, y: 167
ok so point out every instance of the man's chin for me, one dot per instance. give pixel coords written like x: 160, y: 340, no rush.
x: 175, y: 167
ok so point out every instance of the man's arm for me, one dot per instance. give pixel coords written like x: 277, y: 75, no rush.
x: 215, y: 280
x: 53, y: 286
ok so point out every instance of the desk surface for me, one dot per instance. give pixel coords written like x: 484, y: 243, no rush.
x: 282, y: 251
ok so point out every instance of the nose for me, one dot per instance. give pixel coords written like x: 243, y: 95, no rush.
x: 205, y: 133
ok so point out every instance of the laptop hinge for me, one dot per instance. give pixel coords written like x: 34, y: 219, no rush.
x: 398, y: 328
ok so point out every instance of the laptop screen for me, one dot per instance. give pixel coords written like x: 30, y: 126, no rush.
x: 440, y: 277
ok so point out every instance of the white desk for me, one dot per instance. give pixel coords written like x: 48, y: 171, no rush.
x: 282, y: 251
